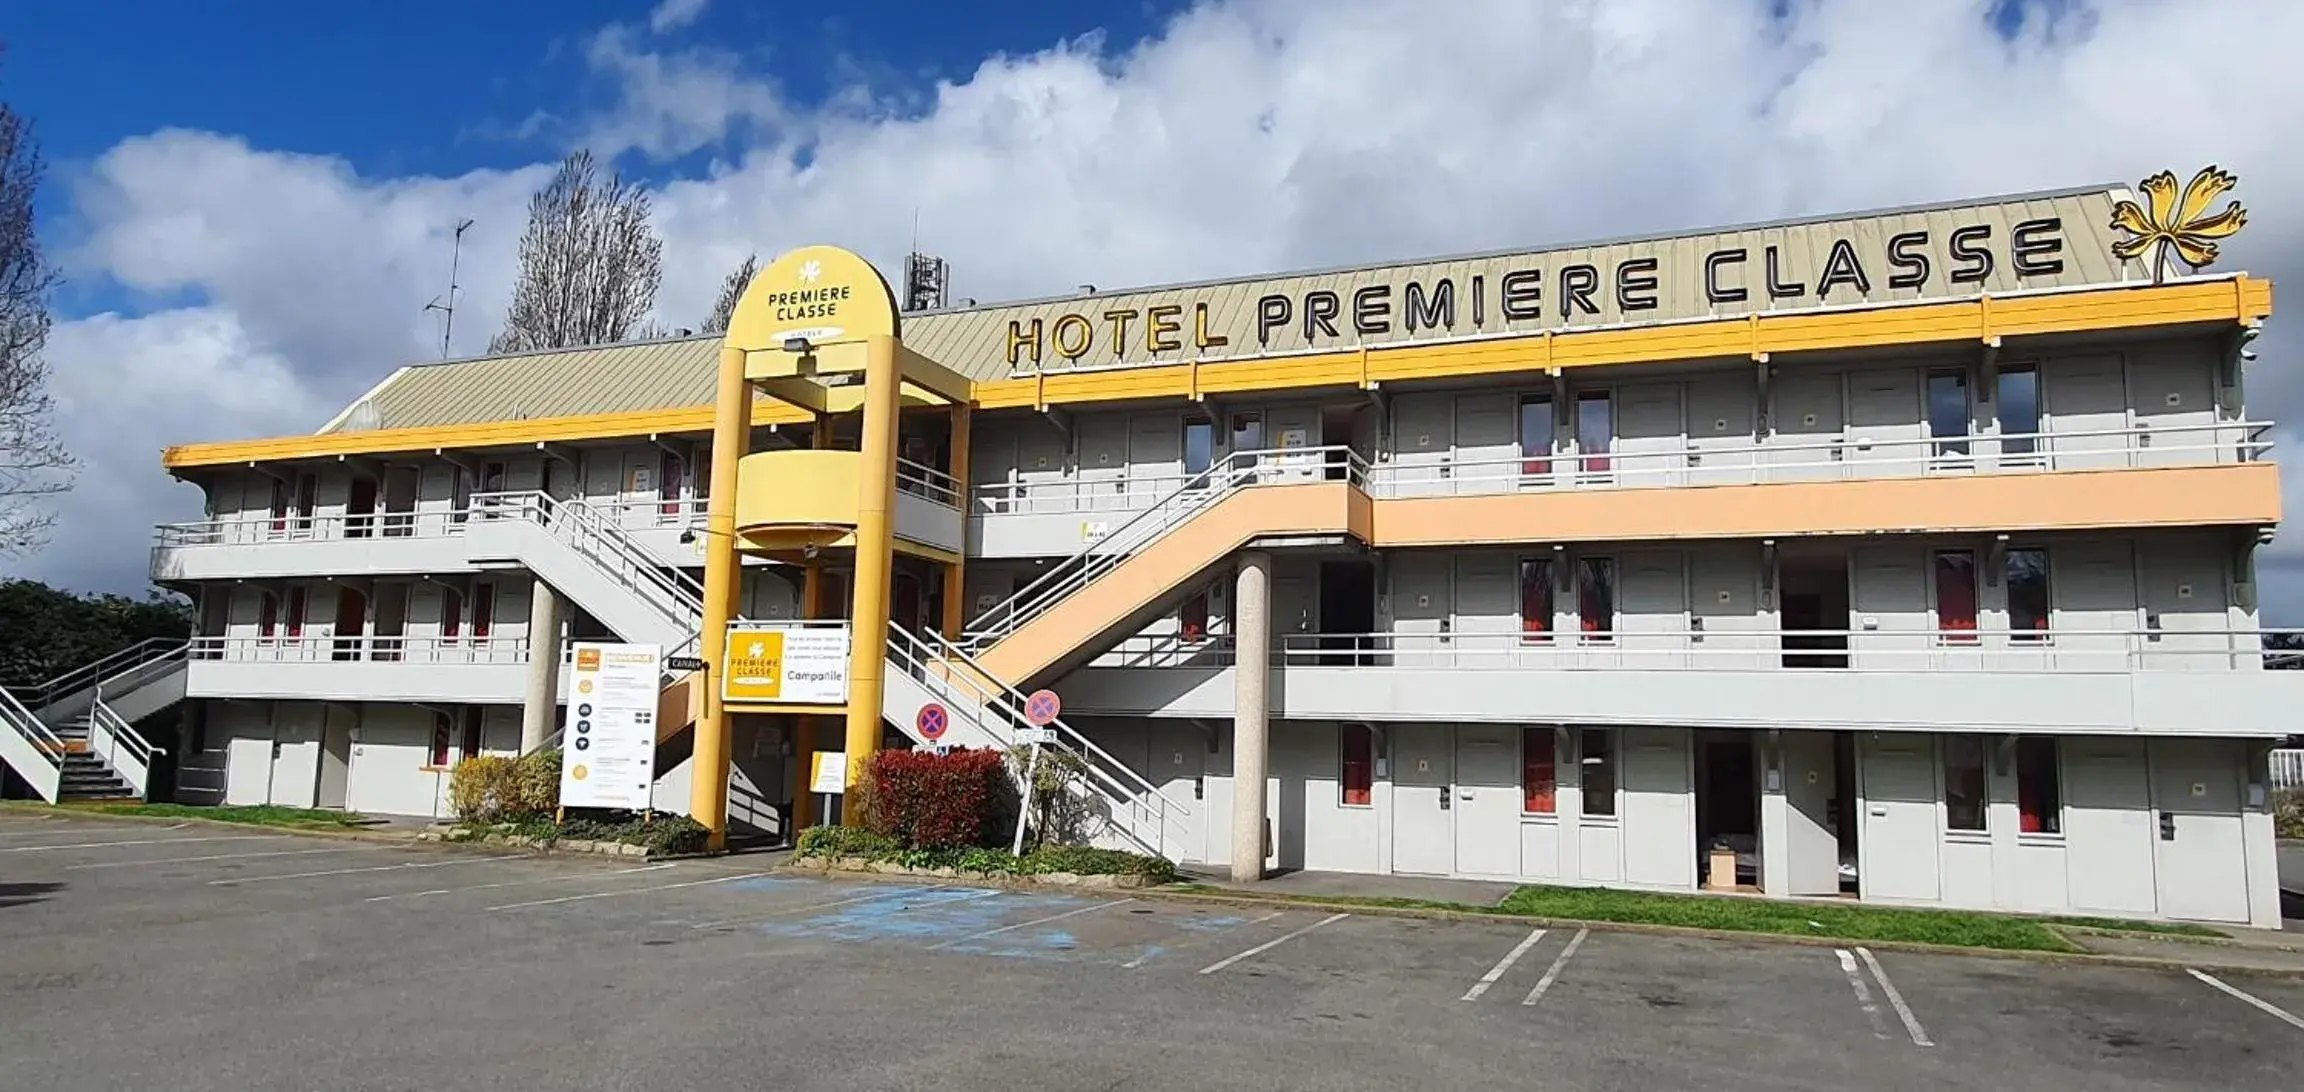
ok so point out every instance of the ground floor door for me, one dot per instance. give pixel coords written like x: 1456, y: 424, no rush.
x: 1177, y: 768
x: 1423, y: 815
x: 296, y: 735
x: 2203, y: 861
x: 1487, y: 801
x: 335, y: 757
x: 1897, y: 835
x: 1811, y: 842
x: 2109, y: 844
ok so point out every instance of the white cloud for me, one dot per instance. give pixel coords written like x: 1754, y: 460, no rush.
x: 1268, y: 134
x: 671, y: 15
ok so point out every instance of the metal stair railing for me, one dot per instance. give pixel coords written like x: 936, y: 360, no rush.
x: 39, y: 746
x: 607, y: 544
x: 1199, y: 493
x: 944, y: 667
x: 124, y: 750
x: 135, y: 660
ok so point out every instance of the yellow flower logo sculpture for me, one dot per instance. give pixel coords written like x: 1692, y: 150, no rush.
x: 2180, y: 224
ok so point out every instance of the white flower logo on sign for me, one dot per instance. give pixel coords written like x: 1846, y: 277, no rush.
x: 757, y: 649
x: 809, y: 271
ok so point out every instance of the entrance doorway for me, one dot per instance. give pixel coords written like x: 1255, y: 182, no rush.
x: 1810, y: 762
x: 1347, y: 612
x: 1727, y: 809
x: 1815, y: 594
x: 1423, y: 822
x: 360, y: 509
x: 2203, y: 858
x: 351, y: 623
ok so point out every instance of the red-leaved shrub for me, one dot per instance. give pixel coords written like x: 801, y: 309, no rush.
x: 931, y: 801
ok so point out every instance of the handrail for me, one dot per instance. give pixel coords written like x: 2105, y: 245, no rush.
x: 321, y: 648
x: 102, y: 716
x: 1844, y: 457
x: 29, y: 726
x: 149, y: 652
x: 926, y: 481
x: 2060, y: 650
x: 1198, y: 493
x: 1011, y: 701
x: 574, y: 521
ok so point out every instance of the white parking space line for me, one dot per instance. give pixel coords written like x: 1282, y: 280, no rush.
x: 631, y: 891
x: 517, y: 883
x: 1270, y: 944
x: 1502, y: 965
x: 2278, y: 1013
x: 1903, y: 1011
x: 1073, y: 913
x: 752, y: 918
x: 225, y: 857
x: 143, y: 842
x: 1156, y: 951
x: 1863, y: 992
x: 1552, y: 973
x: 402, y: 867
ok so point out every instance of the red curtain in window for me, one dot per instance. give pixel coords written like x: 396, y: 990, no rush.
x: 295, y: 612
x: 1192, y: 619
x: 1359, y: 764
x: 442, y: 732
x: 1539, y: 770
x: 668, y: 484
x: 267, y: 616
x: 451, y: 616
x: 1536, y: 600
x: 483, y: 610
x: 1956, y: 595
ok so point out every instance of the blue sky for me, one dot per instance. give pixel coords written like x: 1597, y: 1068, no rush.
x: 252, y: 200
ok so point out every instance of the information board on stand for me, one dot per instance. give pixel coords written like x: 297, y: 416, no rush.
x: 608, y: 751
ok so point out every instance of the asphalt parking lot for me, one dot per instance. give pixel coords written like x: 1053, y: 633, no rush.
x: 203, y: 958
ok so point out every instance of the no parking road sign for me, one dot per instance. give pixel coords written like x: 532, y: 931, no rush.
x: 1041, y: 708
x: 932, y: 721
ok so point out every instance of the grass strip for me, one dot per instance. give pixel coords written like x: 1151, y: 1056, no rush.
x: 1825, y: 920
x: 263, y: 815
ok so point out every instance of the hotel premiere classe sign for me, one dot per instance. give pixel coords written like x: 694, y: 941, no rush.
x: 2053, y: 240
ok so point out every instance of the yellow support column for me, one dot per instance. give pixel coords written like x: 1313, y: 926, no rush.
x: 875, y: 555
x: 804, y: 730
x: 956, y: 574
x: 731, y: 431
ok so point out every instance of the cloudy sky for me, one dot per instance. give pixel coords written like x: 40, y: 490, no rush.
x: 252, y: 210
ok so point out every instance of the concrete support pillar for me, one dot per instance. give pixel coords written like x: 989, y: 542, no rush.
x: 540, y: 705
x: 1251, y: 710
x: 804, y: 725
x: 875, y: 555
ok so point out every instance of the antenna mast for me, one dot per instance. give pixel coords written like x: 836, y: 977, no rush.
x: 448, y: 309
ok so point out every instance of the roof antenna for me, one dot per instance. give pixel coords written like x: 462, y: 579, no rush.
x: 448, y: 309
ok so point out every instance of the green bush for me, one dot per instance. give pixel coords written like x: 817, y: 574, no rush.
x: 2288, y: 813
x: 831, y: 842
x: 480, y: 786
x: 661, y: 834
x: 1088, y: 861
x: 535, y: 784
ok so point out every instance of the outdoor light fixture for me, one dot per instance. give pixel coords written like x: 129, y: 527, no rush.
x: 796, y: 345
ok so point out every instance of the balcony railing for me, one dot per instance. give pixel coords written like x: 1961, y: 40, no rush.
x: 322, y: 648
x: 922, y: 480
x: 1632, y: 463
x: 2058, y: 651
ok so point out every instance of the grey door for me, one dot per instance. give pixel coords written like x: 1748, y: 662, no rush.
x: 1423, y: 814
x: 2080, y: 396
x: 2184, y: 608
x: 2108, y: 838
x: 1421, y: 610
x: 1103, y: 463
x: 1041, y: 482
x: 1805, y: 430
x: 1155, y: 458
x: 1897, y: 836
x: 1487, y: 618
x: 1178, y: 766
x: 1723, y: 598
x: 1884, y: 422
x: 1487, y: 801
x: 1811, y: 841
x: 1487, y: 445
x: 1648, y: 434
x: 2202, y: 860
x: 1423, y: 441
x: 1891, y: 608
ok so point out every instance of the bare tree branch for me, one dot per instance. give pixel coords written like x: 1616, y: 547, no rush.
x: 590, y: 262
x: 731, y: 290
x: 33, y: 463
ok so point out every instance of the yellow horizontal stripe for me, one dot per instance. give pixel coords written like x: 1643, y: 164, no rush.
x: 2240, y: 299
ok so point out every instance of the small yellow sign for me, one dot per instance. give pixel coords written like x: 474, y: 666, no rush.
x: 755, y: 666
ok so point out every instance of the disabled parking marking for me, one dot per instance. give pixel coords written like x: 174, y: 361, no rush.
x: 2275, y: 1011
x: 1552, y: 973
x: 1270, y: 944
x: 629, y: 891
x: 1028, y: 924
x: 144, y: 842
x: 401, y: 867
x: 1863, y: 992
x: 565, y: 878
x: 931, y: 912
x: 1903, y: 1011
x: 755, y: 919
x: 1502, y: 965
x: 1213, y: 925
x: 225, y: 857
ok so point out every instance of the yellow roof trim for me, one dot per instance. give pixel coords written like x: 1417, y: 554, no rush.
x: 2239, y: 299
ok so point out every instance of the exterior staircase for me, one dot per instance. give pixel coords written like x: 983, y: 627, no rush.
x: 73, y: 737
